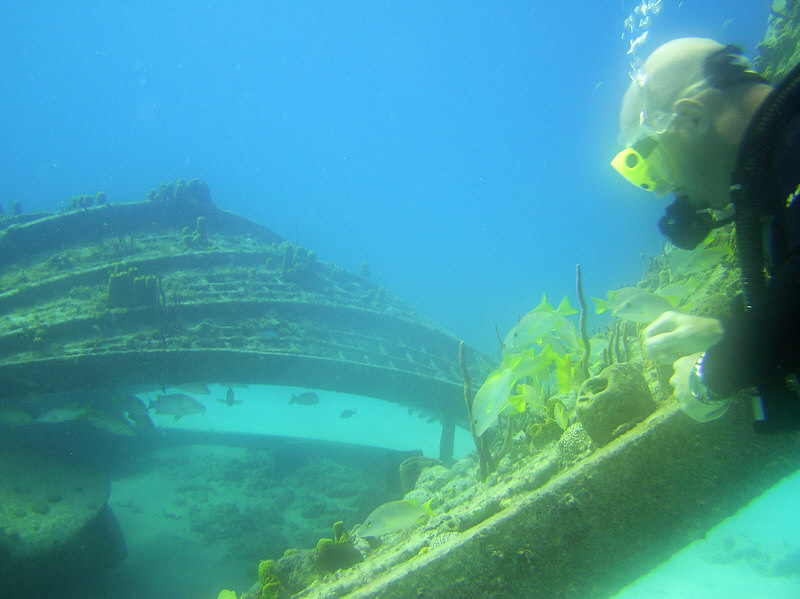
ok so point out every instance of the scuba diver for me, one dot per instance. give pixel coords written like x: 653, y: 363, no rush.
x: 698, y: 122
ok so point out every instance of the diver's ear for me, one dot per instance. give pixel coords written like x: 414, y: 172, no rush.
x: 692, y: 114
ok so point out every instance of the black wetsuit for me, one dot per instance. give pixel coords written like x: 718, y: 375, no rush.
x: 761, y: 346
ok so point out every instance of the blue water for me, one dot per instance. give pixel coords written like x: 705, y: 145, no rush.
x: 459, y: 148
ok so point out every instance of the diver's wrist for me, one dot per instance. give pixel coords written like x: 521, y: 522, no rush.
x: 698, y: 388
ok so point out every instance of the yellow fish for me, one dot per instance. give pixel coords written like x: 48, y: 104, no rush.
x: 392, y: 517
x: 615, y: 299
x: 541, y: 325
x: 496, y: 392
x: 527, y: 395
x: 687, y: 262
x: 643, y: 307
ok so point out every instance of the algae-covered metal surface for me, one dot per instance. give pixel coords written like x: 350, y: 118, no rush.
x: 174, y: 290
x: 588, y: 530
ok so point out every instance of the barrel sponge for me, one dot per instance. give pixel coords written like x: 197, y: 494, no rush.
x: 271, y: 586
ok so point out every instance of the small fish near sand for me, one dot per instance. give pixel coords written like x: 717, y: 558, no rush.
x: 393, y: 517
x: 230, y: 400
x: 308, y: 398
x: 348, y: 414
x: 177, y: 405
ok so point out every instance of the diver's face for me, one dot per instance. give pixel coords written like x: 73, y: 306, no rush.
x: 691, y: 158
x: 700, y: 169
x: 703, y: 182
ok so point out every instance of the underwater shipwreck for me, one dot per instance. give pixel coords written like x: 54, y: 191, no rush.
x: 173, y: 289
x: 100, y: 300
x: 605, y: 482
x: 105, y: 297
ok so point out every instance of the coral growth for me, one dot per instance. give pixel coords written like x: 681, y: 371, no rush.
x: 780, y: 50
x: 126, y: 289
x: 179, y: 193
x: 197, y: 239
x: 299, y: 265
x: 271, y: 586
x: 612, y: 402
x: 337, y: 553
x: 299, y: 568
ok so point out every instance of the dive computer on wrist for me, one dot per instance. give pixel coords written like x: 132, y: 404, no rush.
x: 698, y: 389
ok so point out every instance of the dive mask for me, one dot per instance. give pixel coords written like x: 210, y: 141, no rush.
x: 645, y: 163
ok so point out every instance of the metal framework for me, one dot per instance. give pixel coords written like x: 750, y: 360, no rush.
x: 174, y: 290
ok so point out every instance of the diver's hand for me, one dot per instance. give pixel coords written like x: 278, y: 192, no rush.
x: 673, y: 335
x: 691, y: 406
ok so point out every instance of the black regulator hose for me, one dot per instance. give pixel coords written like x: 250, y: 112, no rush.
x: 751, y: 191
x: 755, y: 198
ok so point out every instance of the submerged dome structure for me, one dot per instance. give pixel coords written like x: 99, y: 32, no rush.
x: 103, y: 297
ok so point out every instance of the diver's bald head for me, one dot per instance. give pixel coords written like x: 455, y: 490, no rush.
x: 667, y: 73
x: 693, y: 98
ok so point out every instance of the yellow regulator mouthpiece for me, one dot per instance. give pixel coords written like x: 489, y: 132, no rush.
x: 631, y: 165
x: 643, y: 165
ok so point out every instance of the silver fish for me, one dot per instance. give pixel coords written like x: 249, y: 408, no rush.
x: 309, y: 398
x: 643, y: 307
x: 176, y: 404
